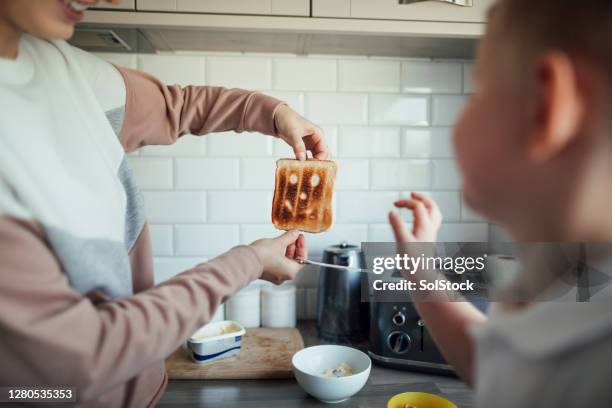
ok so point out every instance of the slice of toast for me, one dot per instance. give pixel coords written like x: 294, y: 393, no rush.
x: 303, y: 195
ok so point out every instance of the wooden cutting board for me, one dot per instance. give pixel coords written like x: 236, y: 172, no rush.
x: 266, y: 353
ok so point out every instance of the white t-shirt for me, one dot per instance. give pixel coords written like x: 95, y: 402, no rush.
x: 550, y: 354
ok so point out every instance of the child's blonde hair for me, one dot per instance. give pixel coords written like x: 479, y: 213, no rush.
x: 579, y: 27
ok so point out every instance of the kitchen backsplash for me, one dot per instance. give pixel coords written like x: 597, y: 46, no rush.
x: 387, y: 123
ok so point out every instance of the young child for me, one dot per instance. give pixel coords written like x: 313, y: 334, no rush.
x: 78, y: 305
x: 534, y: 145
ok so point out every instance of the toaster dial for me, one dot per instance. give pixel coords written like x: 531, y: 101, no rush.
x: 399, y: 342
x: 399, y: 319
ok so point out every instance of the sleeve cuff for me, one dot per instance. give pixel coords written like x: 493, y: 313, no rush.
x: 260, y: 113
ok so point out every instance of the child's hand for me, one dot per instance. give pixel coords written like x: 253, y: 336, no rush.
x: 427, y: 220
x: 278, y: 256
x: 300, y: 134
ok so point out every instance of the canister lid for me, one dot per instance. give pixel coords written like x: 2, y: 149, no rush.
x: 343, y: 248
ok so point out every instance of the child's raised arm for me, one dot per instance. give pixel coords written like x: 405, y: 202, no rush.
x: 447, y: 322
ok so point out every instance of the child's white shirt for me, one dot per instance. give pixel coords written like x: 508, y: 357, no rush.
x: 550, y: 354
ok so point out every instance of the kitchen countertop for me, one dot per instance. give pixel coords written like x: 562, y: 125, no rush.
x: 382, y: 385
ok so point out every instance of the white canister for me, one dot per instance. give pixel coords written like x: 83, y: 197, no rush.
x: 244, y: 306
x: 278, y: 305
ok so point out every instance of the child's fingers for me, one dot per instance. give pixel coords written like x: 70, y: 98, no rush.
x: 301, y: 249
x: 421, y: 218
x: 399, y: 227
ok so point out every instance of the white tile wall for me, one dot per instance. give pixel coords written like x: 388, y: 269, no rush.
x: 368, y: 75
x: 425, y: 77
x: 207, y: 174
x: 239, y: 72
x: 162, y: 239
x: 304, y: 74
x: 364, y: 141
x: 174, y: 69
x: 337, y: 108
x: 175, y: 207
x: 387, y: 121
x: 152, y: 173
x: 446, y: 109
x: 389, y: 174
x: 427, y: 142
x: 399, y: 110
x: 208, y: 240
x: 239, y: 206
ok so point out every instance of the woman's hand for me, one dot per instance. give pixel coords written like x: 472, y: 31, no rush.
x: 300, y: 134
x: 427, y: 220
x: 278, y: 256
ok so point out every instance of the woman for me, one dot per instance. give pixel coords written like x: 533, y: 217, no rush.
x: 77, y: 302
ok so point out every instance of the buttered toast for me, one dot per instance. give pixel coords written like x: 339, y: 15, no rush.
x: 303, y: 195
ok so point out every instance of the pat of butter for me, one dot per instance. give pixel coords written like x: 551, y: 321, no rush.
x: 219, y: 331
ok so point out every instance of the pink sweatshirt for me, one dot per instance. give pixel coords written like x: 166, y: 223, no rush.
x: 55, y: 330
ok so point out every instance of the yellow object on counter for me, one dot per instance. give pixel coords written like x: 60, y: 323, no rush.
x: 419, y: 400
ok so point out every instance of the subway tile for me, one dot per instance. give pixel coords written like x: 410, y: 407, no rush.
x: 353, y: 174
x: 351, y: 233
x: 368, y: 75
x: 400, y: 174
x: 209, y: 173
x: 239, y: 206
x: 468, y: 78
x: 152, y: 173
x: 472, y: 232
x: 449, y: 203
x: 358, y: 141
x: 166, y: 268
x: 257, y: 173
x: 253, y: 232
x: 239, y: 72
x: 205, y: 240
x: 447, y: 108
x: 188, y: 145
x: 330, y: 133
x: 245, y: 144
x: 499, y: 235
x: 337, y: 108
x: 295, y: 100
x: 364, y: 206
x: 446, y: 175
x: 431, y: 77
x: 175, y: 207
x: 399, y: 110
x: 304, y: 74
x: 467, y: 214
x: 431, y: 142
x: 173, y: 69
x: 380, y: 233
x: 120, y: 59
x: 161, y: 239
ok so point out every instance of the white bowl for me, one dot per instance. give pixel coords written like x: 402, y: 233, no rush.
x: 310, y: 363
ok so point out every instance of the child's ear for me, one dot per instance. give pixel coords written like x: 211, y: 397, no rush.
x: 559, y: 106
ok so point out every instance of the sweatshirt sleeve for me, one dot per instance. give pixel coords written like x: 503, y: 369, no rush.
x: 158, y: 114
x: 47, y: 328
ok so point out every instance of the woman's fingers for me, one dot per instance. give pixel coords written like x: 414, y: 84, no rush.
x: 315, y: 142
x: 399, y: 227
x: 301, y: 249
x: 290, y: 251
x: 299, y: 148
